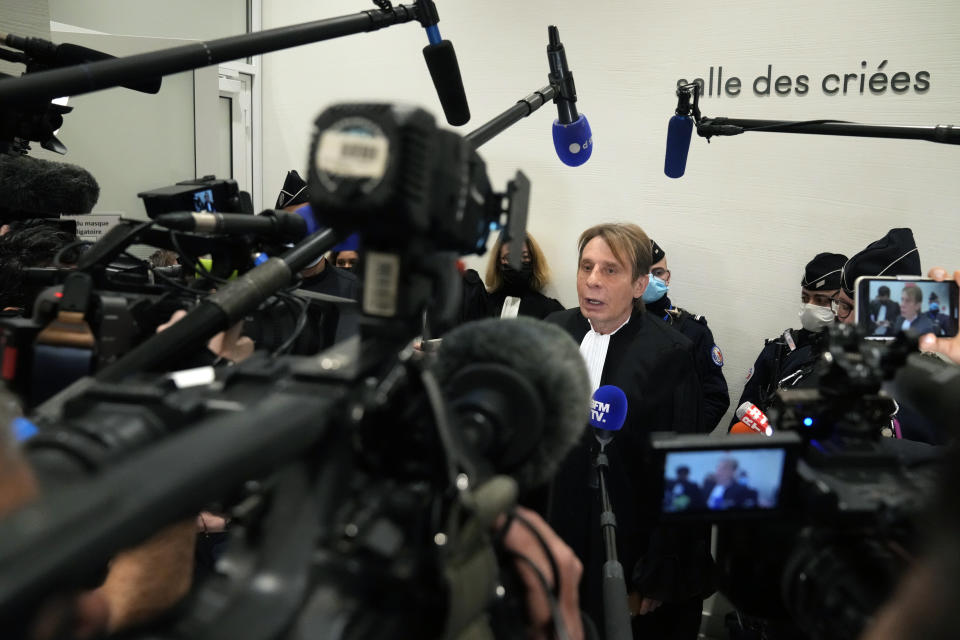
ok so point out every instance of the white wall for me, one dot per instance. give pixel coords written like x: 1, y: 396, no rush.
x: 752, y: 210
x: 184, y: 19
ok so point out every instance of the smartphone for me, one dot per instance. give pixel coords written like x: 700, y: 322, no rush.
x: 886, y: 306
x: 709, y: 479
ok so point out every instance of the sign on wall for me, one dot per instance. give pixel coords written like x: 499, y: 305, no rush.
x: 876, y: 81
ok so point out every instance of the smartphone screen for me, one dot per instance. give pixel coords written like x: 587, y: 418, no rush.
x: 887, y: 306
x: 722, y: 480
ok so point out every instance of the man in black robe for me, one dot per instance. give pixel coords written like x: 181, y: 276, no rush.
x: 668, y: 572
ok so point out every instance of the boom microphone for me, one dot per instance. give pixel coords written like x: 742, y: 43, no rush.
x: 572, y: 137
x: 679, y: 131
x: 548, y: 363
x: 66, y: 54
x: 35, y: 188
x: 291, y: 226
x: 441, y: 61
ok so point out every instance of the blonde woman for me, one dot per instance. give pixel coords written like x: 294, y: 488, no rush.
x: 511, y: 292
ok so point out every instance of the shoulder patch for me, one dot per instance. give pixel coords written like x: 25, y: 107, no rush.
x: 717, y: 356
x: 749, y: 375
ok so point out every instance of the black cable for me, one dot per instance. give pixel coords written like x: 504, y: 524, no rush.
x: 196, y: 265
x: 787, y: 125
x: 559, y: 628
x: 543, y: 545
x: 300, y: 323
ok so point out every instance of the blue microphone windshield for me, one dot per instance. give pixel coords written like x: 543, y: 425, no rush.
x: 573, y: 142
x: 609, y: 408
x: 306, y: 212
x: 678, y: 145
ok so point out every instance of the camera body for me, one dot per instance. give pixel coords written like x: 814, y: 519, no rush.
x: 815, y: 522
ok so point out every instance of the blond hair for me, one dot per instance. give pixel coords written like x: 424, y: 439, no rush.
x: 628, y: 243
x: 541, y: 271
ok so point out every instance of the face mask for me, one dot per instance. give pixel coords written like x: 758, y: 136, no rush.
x: 655, y: 290
x: 514, y: 279
x: 815, y: 318
x: 934, y: 307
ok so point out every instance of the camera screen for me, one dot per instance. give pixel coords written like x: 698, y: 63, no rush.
x: 203, y: 200
x: 718, y: 480
x: 895, y: 306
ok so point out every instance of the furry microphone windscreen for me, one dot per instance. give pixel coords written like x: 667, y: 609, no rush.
x: 44, y: 188
x: 545, y: 356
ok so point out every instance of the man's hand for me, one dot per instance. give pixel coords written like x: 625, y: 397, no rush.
x: 519, y: 539
x: 949, y: 347
x: 640, y: 606
x: 229, y: 344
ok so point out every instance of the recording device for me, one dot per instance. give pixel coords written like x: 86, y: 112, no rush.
x: 409, y: 188
x: 815, y: 522
x: 751, y: 420
x: 375, y: 473
x: 725, y: 478
x: 888, y: 305
x: 40, y: 54
x: 607, y: 414
x: 572, y: 137
x: 680, y: 128
x: 203, y: 195
x: 679, y: 131
x: 441, y: 61
x: 608, y: 411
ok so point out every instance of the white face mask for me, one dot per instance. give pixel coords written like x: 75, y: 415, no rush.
x: 815, y: 318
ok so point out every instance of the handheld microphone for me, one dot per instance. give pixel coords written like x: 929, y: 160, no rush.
x: 441, y: 61
x: 290, y: 226
x: 752, y: 419
x: 608, y: 411
x: 528, y: 445
x: 572, y: 137
x: 64, y: 55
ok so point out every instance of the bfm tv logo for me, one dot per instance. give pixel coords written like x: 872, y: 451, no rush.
x: 599, y: 412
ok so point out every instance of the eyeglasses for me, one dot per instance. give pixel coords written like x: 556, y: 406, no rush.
x: 663, y: 274
x: 842, y: 308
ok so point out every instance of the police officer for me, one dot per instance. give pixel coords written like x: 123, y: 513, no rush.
x: 895, y: 254
x: 708, y: 357
x: 789, y: 359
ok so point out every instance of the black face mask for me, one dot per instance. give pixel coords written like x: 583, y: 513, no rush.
x: 514, y: 280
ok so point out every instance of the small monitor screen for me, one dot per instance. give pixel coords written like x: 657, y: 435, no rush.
x: 717, y: 480
x: 203, y: 200
x: 894, y: 306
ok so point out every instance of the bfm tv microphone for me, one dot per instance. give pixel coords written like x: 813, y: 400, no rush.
x: 283, y: 225
x: 442, y: 63
x: 548, y: 361
x: 64, y: 55
x: 752, y: 420
x: 679, y: 131
x: 572, y: 137
x: 608, y: 411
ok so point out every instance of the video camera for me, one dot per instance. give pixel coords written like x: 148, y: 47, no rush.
x: 359, y: 482
x: 203, y: 194
x: 817, y: 521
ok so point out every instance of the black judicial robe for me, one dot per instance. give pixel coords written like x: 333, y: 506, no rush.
x: 654, y: 365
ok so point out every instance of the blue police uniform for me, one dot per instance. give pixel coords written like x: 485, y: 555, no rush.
x: 708, y: 359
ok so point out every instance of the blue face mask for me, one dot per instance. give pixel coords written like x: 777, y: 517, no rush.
x: 655, y: 290
x: 934, y: 307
